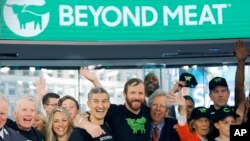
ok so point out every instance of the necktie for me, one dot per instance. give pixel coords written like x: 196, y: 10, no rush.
x: 155, y: 135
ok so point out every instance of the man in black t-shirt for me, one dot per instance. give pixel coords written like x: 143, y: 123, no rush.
x: 130, y: 121
x: 98, y: 103
x: 219, y: 94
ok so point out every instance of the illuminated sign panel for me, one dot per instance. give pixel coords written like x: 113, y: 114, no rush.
x: 124, y: 20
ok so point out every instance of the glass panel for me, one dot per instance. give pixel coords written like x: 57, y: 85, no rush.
x: 15, y: 83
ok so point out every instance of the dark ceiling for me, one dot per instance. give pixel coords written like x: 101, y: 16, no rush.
x: 44, y: 53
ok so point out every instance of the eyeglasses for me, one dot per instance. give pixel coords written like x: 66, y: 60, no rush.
x: 53, y: 105
x: 155, y: 106
x: 3, y: 115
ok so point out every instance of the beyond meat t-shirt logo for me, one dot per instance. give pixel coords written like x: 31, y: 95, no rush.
x: 137, y: 125
x: 26, y: 18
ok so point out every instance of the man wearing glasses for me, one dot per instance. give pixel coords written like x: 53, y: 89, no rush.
x: 50, y: 102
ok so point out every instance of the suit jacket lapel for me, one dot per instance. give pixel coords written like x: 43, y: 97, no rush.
x: 6, y: 135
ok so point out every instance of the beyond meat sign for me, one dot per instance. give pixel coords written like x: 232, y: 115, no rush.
x: 124, y: 20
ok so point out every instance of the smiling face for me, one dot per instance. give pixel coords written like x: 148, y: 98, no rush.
x: 70, y: 105
x: 151, y: 84
x: 51, y: 105
x: 135, y: 97
x: 3, y: 113
x: 99, y: 105
x: 158, y: 109
x: 25, y: 114
x: 60, y: 124
x: 39, y: 124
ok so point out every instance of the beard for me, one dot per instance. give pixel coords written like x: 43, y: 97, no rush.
x: 134, y: 106
x: 150, y: 90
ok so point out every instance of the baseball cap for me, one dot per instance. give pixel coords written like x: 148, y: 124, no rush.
x: 217, y: 81
x: 199, y: 112
x: 222, y: 113
x: 189, y: 79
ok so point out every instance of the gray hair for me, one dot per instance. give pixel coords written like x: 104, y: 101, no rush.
x: 97, y: 90
x: 154, y: 95
x: 25, y: 97
x: 3, y: 98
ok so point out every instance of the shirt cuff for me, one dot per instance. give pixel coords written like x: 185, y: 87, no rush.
x: 182, y: 119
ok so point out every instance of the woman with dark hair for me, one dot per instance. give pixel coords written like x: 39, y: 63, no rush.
x: 70, y: 104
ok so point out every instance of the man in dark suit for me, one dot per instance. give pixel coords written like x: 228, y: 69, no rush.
x: 24, y: 113
x: 162, y: 127
x: 6, y: 133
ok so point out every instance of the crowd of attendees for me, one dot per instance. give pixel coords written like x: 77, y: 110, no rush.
x: 146, y: 115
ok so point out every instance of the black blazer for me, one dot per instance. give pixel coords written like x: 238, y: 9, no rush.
x: 12, y: 135
x: 168, y: 132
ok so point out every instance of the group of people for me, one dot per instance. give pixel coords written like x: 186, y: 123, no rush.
x: 145, y: 115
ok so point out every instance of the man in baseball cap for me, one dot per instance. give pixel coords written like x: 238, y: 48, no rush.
x: 218, y: 93
x: 217, y: 81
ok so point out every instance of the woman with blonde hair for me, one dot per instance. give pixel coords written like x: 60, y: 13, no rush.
x: 59, y: 126
x: 40, y: 122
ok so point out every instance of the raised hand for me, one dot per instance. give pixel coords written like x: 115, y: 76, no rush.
x: 241, y: 50
x: 178, y: 86
x: 85, y: 72
x: 175, y: 96
x: 41, y: 89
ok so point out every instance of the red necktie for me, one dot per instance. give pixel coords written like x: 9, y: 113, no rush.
x: 155, y: 135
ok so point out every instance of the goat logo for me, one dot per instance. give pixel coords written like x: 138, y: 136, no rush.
x: 137, y: 125
x: 26, y: 18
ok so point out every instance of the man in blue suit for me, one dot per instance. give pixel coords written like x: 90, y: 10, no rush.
x: 6, y: 133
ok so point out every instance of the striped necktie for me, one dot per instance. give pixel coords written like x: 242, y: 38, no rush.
x: 155, y: 135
